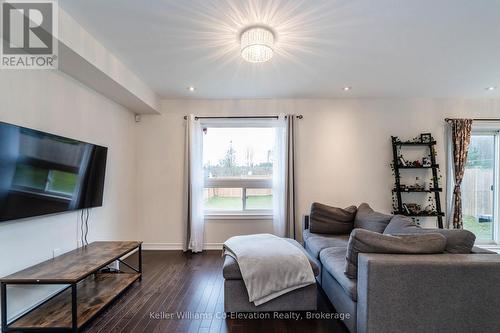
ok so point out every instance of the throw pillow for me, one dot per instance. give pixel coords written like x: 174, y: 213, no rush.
x: 331, y: 220
x: 365, y: 241
x: 367, y: 218
x: 457, y: 241
x: 400, y: 224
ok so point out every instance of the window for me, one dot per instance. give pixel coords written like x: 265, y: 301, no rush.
x: 480, y: 186
x: 238, y: 170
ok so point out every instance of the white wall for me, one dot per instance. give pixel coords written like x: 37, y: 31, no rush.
x: 86, y: 59
x: 53, y: 102
x: 343, y: 155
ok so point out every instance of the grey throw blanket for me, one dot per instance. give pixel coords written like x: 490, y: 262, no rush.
x: 269, y: 265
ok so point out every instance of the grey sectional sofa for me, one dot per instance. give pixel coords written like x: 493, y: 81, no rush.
x: 409, y: 293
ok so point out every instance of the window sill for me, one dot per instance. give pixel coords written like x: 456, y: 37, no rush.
x: 489, y: 246
x: 236, y: 216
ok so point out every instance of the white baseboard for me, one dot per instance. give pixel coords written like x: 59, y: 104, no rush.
x: 161, y: 246
x: 212, y: 246
x: 177, y: 246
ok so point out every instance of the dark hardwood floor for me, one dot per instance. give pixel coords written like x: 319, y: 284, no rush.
x: 177, y: 284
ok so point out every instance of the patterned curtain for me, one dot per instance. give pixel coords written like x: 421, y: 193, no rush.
x: 461, y: 133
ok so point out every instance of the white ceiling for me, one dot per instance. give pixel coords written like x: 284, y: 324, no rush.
x: 382, y: 48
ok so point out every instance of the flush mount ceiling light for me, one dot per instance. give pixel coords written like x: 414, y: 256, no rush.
x: 191, y: 88
x: 257, y: 44
x: 347, y: 88
x: 490, y: 88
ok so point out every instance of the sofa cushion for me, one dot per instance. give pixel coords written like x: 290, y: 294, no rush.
x: 457, y: 241
x: 306, y: 234
x: 365, y: 241
x: 231, y: 270
x: 333, y: 260
x: 315, y: 243
x: 331, y: 220
x: 367, y: 218
x: 400, y: 224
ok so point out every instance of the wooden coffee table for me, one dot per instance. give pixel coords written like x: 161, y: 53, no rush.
x: 89, y: 291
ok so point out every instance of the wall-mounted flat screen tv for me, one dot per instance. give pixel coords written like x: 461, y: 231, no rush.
x: 42, y: 173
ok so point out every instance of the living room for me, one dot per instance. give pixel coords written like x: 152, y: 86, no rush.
x: 147, y: 169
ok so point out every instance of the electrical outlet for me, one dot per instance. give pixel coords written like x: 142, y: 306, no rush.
x: 79, y: 243
x: 56, y: 252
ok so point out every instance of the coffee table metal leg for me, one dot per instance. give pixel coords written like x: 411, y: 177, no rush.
x: 140, y: 262
x: 4, y: 306
x: 74, y: 314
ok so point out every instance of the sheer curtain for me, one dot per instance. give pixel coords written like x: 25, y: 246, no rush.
x: 284, y: 178
x: 193, y: 171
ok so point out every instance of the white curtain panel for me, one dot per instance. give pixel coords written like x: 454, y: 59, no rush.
x: 194, y: 228
x: 279, y: 177
x: 450, y: 176
x: 283, y: 178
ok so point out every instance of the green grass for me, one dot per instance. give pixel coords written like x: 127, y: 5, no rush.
x: 232, y: 203
x: 260, y: 202
x: 223, y: 203
x: 483, y: 231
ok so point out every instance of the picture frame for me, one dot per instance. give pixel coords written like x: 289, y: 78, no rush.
x: 426, y: 137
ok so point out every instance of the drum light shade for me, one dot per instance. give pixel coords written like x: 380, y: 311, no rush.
x: 257, y: 44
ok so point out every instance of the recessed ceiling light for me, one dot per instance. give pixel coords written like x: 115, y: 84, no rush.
x: 347, y: 88
x: 257, y: 44
x: 491, y: 88
x: 191, y: 88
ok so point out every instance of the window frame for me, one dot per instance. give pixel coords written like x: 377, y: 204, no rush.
x: 492, y: 129
x: 243, y: 183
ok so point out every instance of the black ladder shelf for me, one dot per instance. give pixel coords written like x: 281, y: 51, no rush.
x: 398, y: 190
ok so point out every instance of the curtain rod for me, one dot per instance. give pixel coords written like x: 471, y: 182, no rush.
x: 477, y: 119
x: 243, y: 117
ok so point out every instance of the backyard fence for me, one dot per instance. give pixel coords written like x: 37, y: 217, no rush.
x: 477, y: 194
x: 235, y: 192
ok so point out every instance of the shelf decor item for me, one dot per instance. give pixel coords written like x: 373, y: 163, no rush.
x: 426, y: 137
x: 433, y: 209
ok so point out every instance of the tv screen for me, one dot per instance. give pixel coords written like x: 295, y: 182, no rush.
x: 42, y: 173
